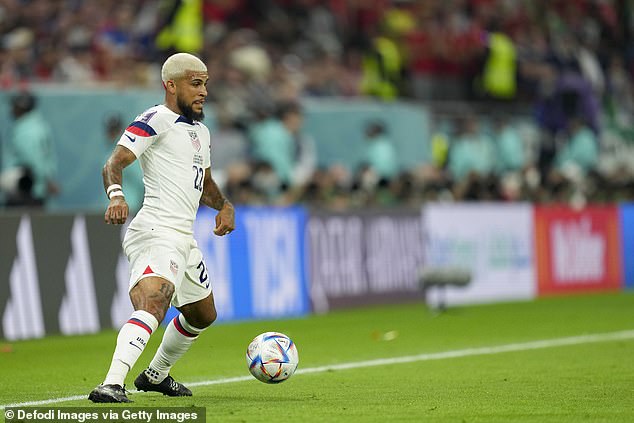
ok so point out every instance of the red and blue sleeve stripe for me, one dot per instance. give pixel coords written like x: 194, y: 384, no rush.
x: 141, y: 128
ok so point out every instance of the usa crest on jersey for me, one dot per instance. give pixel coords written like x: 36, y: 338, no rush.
x: 193, y: 135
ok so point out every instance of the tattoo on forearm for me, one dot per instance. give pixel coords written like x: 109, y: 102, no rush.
x: 212, y: 196
x: 112, y: 173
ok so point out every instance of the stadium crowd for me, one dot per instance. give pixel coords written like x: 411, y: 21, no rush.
x: 568, y: 64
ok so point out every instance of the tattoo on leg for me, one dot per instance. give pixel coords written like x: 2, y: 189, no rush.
x: 167, y: 290
x: 155, y: 302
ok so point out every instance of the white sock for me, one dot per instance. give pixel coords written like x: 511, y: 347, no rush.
x: 131, y: 342
x: 178, y: 338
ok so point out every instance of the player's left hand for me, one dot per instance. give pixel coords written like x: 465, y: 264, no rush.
x: 225, y: 220
x: 117, y: 211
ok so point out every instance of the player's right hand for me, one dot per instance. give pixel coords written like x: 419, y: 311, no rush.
x: 117, y: 211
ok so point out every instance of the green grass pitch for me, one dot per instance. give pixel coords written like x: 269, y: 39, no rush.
x: 448, y: 377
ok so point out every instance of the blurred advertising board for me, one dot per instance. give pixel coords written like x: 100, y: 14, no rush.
x: 64, y: 273
x: 577, y: 250
x: 494, y: 242
x: 60, y: 275
x: 258, y: 271
x: 627, y: 241
x: 363, y: 257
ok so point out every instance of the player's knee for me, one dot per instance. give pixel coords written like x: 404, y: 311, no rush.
x: 204, y: 318
x: 213, y: 316
x: 157, y: 310
x: 208, y: 317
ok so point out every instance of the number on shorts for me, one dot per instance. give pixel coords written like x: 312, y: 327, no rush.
x: 203, y: 272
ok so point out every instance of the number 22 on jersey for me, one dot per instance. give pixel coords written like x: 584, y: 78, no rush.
x: 199, y: 174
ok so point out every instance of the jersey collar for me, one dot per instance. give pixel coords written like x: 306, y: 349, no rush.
x: 183, y: 119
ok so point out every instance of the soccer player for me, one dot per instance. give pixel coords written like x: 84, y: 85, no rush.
x: 166, y: 265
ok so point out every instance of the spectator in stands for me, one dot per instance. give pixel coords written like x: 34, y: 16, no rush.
x: 240, y: 85
x: 77, y: 65
x: 380, y: 153
x: 471, y: 152
x: 573, y: 86
x: 271, y: 143
x: 280, y: 142
x: 499, y: 72
x: 383, y: 68
x: 510, y: 157
x: 580, y: 150
x: 571, y: 97
x: 229, y: 146
x: 259, y: 54
x: 323, y: 77
x: 19, y: 45
x: 619, y: 98
x: 30, y: 150
x: 181, y: 27
x: 304, y: 150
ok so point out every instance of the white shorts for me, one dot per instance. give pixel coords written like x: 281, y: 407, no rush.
x: 171, y: 256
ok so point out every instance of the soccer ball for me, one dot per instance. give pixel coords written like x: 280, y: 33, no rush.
x: 272, y: 357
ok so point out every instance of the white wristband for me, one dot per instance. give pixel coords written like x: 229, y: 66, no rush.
x: 118, y: 193
x: 112, y: 188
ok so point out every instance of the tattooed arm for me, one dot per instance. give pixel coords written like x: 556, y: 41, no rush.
x: 117, y: 211
x: 212, y: 197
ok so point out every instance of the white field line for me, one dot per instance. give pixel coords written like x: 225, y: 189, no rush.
x: 468, y: 352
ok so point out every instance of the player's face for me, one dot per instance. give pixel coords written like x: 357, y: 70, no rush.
x: 191, y: 94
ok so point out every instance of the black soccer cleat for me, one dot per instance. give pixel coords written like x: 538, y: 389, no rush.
x: 167, y: 387
x: 108, y: 393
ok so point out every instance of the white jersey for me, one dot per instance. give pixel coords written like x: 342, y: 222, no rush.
x: 174, y: 153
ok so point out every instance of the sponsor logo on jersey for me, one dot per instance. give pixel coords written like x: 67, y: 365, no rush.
x: 193, y: 135
x: 130, y: 138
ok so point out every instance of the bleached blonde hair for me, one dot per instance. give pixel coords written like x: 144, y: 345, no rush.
x: 178, y: 64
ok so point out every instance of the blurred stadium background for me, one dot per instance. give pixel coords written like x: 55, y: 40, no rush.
x: 367, y: 145
x: 379, y: 152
